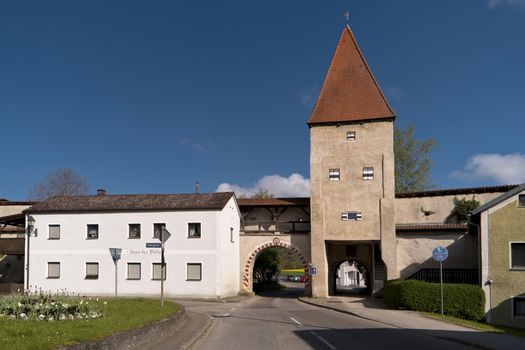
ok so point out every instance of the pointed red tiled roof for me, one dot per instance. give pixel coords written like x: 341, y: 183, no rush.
x: 349, y: 92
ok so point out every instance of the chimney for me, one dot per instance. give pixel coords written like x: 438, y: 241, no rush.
x: 101, y: 192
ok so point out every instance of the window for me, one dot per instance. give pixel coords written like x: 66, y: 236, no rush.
x: 350, y: 136
x: 53, y: 270
x: 134, y: 231
x: 194, y: 230
x: 91, y: 270
x: 92, y: 231
x: 518, y: 306
x: 517, y: 256
x: 157, y: 230
x: 54, y: 231
x: 133, y: 271
x: 334, y: 175
x: 231, y: 235
x: 351, y: 215
x: 194, y: 272
x: 521, y: 200
x: 157, y: 267
x: 368, y: 173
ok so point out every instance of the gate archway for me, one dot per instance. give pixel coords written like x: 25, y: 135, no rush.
x: 247, y: 278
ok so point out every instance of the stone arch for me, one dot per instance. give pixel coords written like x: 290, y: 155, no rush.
x: 276, y: 242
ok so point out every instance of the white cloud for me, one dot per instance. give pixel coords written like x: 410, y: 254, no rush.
x: 196, y: 145
x: 293, y: 186
x: 503, y: 169
x: 510, y: 3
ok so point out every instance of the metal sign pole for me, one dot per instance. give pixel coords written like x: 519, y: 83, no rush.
x: 441, y: 279
x: 115, y: 255
x: 116, y: 274
x: 162, y: 276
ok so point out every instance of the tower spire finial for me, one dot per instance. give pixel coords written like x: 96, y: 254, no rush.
x: 347, y: 16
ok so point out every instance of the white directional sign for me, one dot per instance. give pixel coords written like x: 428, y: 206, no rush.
x: 440, y: 253
x: 115, y: 253
x: 165, y: 235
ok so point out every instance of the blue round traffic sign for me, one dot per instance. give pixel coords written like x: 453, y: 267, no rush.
x: 440, y: 253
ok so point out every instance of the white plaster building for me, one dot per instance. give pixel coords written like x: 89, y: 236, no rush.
x: 74, y: 234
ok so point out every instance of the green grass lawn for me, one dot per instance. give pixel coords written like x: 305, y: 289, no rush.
x: 478, y: 325
x: 292, y: 272
x: 119, y: 315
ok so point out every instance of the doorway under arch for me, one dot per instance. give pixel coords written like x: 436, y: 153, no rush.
x: 351, y: 277
x: 247, y: 274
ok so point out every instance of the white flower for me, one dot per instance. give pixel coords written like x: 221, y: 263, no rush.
x: 62, y: 317
x: 41, y: 317
x: 105, y: 303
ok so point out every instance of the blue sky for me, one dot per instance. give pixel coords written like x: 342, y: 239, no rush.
x: 149, y: 97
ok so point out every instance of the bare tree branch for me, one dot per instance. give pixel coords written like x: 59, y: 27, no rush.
x: 62, y: 182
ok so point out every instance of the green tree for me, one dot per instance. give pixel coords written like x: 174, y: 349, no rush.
x: 412, y: 161
x: 262, y: 193
x: 266, y: 266
x: 462, y: 207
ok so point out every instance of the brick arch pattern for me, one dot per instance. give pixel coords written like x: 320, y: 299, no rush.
x: 276, y: 242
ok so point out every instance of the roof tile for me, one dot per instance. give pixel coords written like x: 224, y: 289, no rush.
x: 350, y: 92
x: 133, y: 202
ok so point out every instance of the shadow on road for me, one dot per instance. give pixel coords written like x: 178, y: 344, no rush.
x: 288, y: 292
x: 381, y: 338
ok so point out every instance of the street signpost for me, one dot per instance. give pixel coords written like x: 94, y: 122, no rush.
x: 313, y: 270
x: 440, y: 254
x: 164, y: 236
x: 115, y: 255
x: 154, y: 245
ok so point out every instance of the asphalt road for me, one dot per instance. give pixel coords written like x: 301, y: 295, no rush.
x: 279, y: 321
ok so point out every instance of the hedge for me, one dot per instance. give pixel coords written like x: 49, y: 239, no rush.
x: 459, y: 300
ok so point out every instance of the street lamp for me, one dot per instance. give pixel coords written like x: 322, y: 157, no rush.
x: 30, y: 231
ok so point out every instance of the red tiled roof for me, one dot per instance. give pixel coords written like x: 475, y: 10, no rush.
x: 431, y: 227
x: 270, y: 202
x: 349, y: 92
x: 8, y: 202
x: 457, y: 191
x: 133, y: 202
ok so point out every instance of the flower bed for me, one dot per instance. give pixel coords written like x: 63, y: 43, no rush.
x: 43, y: 306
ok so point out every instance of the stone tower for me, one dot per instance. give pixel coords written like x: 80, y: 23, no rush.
x: 351, y: 173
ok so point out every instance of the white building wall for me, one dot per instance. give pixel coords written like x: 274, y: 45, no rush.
x: 73, y: 250
x: 228, y: 250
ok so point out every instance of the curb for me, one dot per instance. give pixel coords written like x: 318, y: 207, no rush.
x: 132, y: 339
x: 343, y: 311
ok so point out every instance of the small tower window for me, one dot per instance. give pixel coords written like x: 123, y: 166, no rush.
x: 350, y: 136
x: 351, y: 215
x: 334, y: 175
x: 368, y: 173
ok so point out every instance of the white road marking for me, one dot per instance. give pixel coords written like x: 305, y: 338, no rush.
x: 324, y: 341
x: 299, y: 323
x: 226, y: 315
x: 233, y: 309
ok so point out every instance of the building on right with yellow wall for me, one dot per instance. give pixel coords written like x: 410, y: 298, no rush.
x: 501, y: 226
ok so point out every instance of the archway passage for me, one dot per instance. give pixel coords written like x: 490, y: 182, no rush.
x: 247, y: 275
x: 352, y: 278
